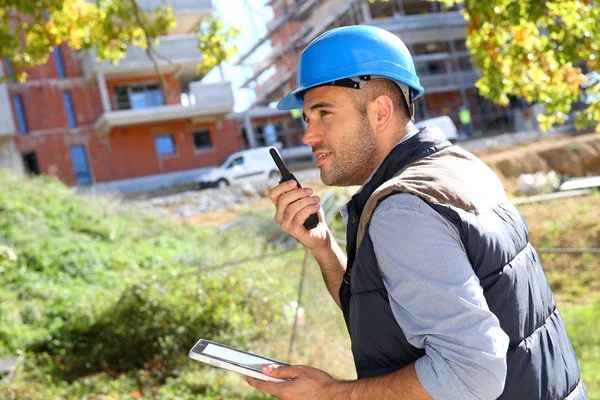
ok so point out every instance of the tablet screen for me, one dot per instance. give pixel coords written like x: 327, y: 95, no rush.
x: 237, y: 357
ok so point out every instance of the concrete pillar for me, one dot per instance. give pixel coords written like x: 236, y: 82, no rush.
x: 366, y: 12
x: 401, y: 7
x: 103, y: 91
x: 249, y: 130
x: 455, y: 67
x: 9, y: 156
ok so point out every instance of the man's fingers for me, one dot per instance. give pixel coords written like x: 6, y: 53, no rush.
x: 302, y: 207
x: 280, y: 189
x: 306, y: 212
x: 263, y: 386
x: 286, y: 199
x: 281, y: 372
x: 274, y: 371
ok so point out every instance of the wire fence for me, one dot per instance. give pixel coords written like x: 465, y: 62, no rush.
x: 301, y: 281
x: 227, y: 264
x: 330, y: 206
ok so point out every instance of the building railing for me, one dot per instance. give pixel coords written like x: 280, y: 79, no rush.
x: 330, y: 11
x: 420, y: 21
x: 217, y: 94
x: 448, y: 81
x: 176, y: 49
x: 203, y: 100
x: 422, y: 28
x: 178, y: 6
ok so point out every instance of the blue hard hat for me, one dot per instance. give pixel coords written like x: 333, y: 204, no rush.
x: 352, y: 51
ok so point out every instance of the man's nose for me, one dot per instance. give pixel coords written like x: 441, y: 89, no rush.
x: 312, y: 135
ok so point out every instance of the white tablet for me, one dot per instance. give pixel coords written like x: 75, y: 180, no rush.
x: 219, y: 355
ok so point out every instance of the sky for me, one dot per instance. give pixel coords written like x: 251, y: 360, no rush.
x: 251, y: 17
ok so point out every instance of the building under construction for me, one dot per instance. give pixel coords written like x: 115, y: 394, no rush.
x: 92, y: 123
x: 434, y: 34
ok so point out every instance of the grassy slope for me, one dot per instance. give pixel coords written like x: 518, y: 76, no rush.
x: 575, y: 278
x: 102, y: 287
x: 38, y: 221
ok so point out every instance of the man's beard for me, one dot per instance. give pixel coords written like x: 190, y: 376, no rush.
x: 355, y: 159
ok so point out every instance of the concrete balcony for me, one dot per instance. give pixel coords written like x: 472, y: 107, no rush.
x: 177, y: 53
x: 209, y: 102
x: 7, y: 125
x: 188, y: 13
x: 448, y: 82
x: 424, y: 28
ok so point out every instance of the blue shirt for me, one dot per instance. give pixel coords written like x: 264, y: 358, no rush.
x: 437, y: 300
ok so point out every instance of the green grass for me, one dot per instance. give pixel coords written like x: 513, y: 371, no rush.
x: 574, y: 278
x: 91, y: 288
x: 100, y: 299
x: 568, y: 223
x: 582, y: 325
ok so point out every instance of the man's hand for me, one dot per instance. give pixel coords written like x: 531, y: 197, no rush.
x: 306, y: 383
x: 294, y: 205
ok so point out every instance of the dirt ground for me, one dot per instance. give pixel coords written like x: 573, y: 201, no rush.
x: 570, y: 155
x: 574, y: 156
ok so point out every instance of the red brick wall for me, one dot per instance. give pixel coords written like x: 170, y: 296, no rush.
x: 42, y: 94
x: 123, y: 153
x: 44, y: 105
x: 133, y: 152
x: 49, y: 70
x: 273, y: 119
x: 449, y: 103
x: 445, y: 103
x: 130, y: 152
x: 53, y: 151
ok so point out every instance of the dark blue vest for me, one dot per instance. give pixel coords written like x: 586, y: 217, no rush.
x: 541, y: 360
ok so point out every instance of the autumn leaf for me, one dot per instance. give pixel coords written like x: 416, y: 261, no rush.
x: 110, y: 27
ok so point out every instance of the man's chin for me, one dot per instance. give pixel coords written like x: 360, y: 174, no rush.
x: 326, y: 177
x: 330, y: 180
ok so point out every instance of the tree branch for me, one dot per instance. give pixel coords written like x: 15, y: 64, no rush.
x: 149, y: 48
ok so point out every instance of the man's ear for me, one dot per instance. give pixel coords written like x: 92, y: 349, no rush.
x: 384, y: 108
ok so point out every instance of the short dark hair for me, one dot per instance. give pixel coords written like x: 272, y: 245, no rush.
x: 378, y: 87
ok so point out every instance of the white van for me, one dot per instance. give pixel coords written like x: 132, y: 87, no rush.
x: 242, y: 167
x: 444, y: 123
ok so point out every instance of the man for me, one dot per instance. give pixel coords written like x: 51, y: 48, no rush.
x: 442, y: 294
x: 465, y: 120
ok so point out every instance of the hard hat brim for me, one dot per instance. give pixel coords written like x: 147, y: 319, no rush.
x: 376, y: 68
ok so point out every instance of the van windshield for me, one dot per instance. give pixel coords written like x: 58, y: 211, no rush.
x: 232, y: 163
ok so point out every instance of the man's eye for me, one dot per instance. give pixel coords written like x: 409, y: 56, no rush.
x: 324, y: 113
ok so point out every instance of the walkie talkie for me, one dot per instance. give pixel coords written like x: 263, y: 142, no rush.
x: 313, y: 220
